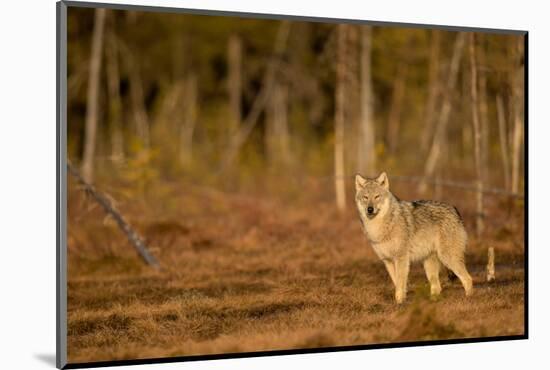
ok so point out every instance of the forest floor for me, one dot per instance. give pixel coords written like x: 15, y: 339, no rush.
x: 254, y: 273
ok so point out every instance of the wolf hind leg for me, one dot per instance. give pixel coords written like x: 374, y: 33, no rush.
x: 455, y: 263
x: 431, y: 266
x: 390, y: 266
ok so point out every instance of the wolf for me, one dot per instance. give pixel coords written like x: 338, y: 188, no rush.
x: 402, y: 232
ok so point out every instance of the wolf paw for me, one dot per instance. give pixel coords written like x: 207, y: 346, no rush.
x: 399, y: 298
x: 435, y: 291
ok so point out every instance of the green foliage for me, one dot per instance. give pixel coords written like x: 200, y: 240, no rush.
x: 139, y: 171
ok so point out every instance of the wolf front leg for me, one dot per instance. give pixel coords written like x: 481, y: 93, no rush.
x: 390, y: 266
x: 431, y: 266
x: 401, y: 277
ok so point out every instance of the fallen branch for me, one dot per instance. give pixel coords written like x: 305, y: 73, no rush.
x: 132, y: 235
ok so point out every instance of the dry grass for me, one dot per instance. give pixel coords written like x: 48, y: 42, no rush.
x: 242, y: 273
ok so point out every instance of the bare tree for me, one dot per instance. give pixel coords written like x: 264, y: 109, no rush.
x: 115, y: 104
x: 394, y: 116
x: 517, y: 88
x: 443, y: 119
x: 234, y: 81
x: 277, y: 135
x: 92, y: 106
x: 240, y: 136
x: 434, y: 88
x: 189, y: 119
x: 137, y: 97
x: 339, y: 179
x: 477, y: 135
x: 504, y: 150
x: 366, y: 153
x: 483, y: 107
x: 439, y: 170
x: 181, y: 54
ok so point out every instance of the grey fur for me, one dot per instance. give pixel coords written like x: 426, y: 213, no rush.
x: 402, y: 232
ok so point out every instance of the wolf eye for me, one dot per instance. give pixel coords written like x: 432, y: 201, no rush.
x: 376, y: 196
x: 365, y: 197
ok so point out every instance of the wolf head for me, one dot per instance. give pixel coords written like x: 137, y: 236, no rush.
x: 372, y: 196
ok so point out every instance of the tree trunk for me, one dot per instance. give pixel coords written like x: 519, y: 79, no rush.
x: 516, y: 151
x: 189, y: 120
x: 477, y: 136
x: 92, y: 105
x: 115, y: 104
x: 395, y: 108
x: 281, y: 96
x: 137, y: 97
x: 180, y: 52
x: 518, y: 87
x: 366, y: 153
x: 504, y: 150
x: 276, y: 133
x: 439, y: 171
x: 240, y: 136
x: 339, y: 179
x: 483, y: 110
x: 443, y: 119
x: 434, y: 88
x: 234, y: 81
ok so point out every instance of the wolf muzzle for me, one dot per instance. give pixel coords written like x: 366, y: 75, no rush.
x: 370, y: 212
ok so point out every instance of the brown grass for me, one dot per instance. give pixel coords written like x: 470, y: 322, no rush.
x: 246, y: 273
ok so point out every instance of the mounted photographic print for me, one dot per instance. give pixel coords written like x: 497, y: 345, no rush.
x: 234, y: 184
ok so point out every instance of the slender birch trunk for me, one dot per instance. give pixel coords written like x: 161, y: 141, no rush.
x: 366, y: 153
x: 179, y: 55
x: 189, y: 120
x: 395, y: 108
x: 477, y: 135
x: 518, y: 86
x: 137, y: 96
x: 234, y: 81
x: 467, y: 131
x: 339, y: 180
x: 444, y: 158
x: 115, y: 103
x: 516, y: 151
x: 483, y: 110
x: 282, y: 126
x: 504, y: 149
x: 276, y: 133
x: 92, y: 105
x: 240, y: 136
x: 443, y: 120
x: 433, y: 92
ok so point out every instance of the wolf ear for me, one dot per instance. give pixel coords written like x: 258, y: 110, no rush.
x: 383, y: 180
x: 360, y: 182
